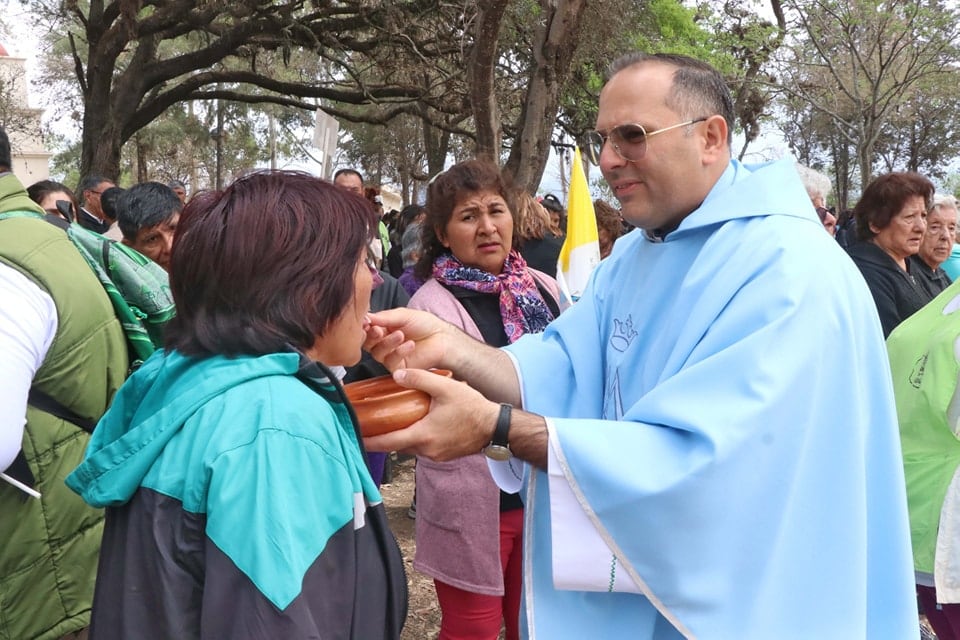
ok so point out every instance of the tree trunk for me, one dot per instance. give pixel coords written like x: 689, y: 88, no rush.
x: 218, y: 180
x: 109, y: 102
x: 483, y: 95
x: 865, y: 153
x: 553, y: 51
x: 436, y: 143
x: 840, y: 155
x: 142, y: 171
x: 100, y: 139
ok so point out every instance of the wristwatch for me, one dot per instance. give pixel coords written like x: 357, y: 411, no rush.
x: 499, y: 447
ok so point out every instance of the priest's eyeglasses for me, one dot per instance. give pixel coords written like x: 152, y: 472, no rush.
x: 628, y: 140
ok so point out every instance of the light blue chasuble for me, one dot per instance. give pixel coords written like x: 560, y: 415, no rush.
x: 720, y: 403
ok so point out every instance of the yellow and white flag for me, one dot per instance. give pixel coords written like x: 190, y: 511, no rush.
x: 581, y: 248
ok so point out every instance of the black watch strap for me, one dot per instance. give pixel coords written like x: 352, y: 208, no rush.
x: 499, y: 447
x: 501, y: 435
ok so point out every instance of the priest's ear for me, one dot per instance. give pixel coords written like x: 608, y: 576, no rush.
x: 716, y: 147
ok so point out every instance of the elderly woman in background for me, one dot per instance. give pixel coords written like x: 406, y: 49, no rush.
x: 609, y: 226
x: 952, y: 264
x: 936, y: 246
x: 468, y: 532
x: 538, y: 241
x: 238, y: 501
x: 818, y: 188
x: 891, y: 219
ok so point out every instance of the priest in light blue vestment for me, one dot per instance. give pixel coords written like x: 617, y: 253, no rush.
x: 718, y: 455
x: 719, y: 405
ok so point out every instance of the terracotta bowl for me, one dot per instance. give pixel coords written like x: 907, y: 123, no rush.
x: 383, y: 406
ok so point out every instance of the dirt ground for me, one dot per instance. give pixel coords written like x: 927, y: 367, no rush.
x: 423, y: 615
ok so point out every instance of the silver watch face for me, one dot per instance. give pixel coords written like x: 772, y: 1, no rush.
x: 497, y: 452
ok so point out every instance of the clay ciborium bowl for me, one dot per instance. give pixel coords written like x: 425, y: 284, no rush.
x: 382, y: 405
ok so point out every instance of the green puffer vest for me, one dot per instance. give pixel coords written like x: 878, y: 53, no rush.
x: 49, y: 547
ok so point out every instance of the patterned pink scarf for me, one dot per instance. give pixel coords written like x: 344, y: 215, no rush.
x: 521, y: 306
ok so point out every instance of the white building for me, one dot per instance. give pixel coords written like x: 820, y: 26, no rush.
x: 30, y: 160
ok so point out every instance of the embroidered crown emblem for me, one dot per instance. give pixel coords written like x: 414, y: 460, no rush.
x: 623, y: 334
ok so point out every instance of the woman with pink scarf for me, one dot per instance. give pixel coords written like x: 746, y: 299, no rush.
x: 468, y: 532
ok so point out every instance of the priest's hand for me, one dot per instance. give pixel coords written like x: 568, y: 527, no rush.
x: 401, y: 338
x: 460, y: 422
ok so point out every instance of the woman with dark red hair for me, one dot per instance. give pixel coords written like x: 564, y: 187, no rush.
x: 238, y: 501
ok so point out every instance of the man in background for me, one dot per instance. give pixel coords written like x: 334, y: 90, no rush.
x: 92, y: 215
x: 148, y: 214
x: 349, y: 179
x: 352, y: 181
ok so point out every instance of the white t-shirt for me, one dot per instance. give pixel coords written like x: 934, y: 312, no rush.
x: 28, y: 324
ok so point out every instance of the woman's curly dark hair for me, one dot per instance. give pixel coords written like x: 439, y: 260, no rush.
x: 445, y: 191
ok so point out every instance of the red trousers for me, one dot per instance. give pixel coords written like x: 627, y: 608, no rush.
x: 944, y: 618
x: 473, y: 616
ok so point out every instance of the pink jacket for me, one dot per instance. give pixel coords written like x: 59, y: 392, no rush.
x: 458, y: 503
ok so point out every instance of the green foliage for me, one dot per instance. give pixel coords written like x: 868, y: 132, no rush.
x: 729, y: 36
x: 181, y: 143
x: 611, y: 29
x: 881, y: 76
x: 672, y: 28
x: 65, y: 164
x: 381, y: 153
x: 392, y: 73
x: 951, y: 184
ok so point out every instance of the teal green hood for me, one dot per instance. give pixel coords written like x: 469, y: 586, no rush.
x: 151, y: 408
